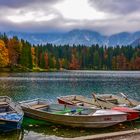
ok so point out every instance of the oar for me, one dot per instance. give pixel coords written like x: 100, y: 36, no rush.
x: 69, y: 101
x: 123, y: 95
x: 96, y: 100
x: 110, y: 105
x: 83, y: 101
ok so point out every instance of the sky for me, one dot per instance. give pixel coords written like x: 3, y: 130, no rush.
x: 105, y: 16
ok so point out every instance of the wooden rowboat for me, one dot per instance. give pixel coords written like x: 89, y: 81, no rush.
x: 11, y: 115
x: 118, y: 100
x: 79, y: 100
x: 99, y: 102
x: 71, y: 115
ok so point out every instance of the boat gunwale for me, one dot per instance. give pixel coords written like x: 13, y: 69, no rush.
x: 1, y: 97
x: 12, y: 120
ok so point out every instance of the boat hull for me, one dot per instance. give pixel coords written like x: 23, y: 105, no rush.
x: 6, y: 126
x: 76, y: 121
x: 131, y: 114
x: 11, y: 115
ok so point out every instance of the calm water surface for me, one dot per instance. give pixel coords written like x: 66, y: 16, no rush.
x: 23, y: 86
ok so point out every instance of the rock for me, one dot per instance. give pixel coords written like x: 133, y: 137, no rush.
x: 82, y: 131
x: 30, y: 125
x: 55, y: 129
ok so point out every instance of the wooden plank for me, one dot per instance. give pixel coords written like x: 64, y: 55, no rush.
x: 3, y: 103
x: 38, y: 106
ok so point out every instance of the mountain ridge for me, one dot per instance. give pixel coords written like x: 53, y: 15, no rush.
x: 78, y: 37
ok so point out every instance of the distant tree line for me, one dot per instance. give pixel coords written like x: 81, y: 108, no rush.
x: 20, y: 53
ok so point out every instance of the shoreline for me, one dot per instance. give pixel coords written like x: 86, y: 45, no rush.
x: 8, y: 70
x: 121, y: 135
x: 124, y: 135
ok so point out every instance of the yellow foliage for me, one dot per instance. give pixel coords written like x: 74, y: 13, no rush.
x: 4, y: 56
x: 2, y: 43
x: 33, y: 56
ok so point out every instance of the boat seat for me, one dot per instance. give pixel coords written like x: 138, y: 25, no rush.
x: 114, y: 101
x: 3, y: 103
x: 10, y: 112
x: 39, y: 106
x: 89, y: 105
x: 76, y: 101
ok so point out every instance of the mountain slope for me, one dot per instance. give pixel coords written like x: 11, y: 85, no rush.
x: 82, y: 37
x: 136, y: 42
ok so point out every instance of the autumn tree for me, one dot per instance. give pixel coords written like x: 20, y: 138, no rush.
x: 121, y: 62
x: 136, y: 64
x: 46, y: 59
x: 33, y: 56
x: 74, y: 64
x: 14, y: 48
x: 4, y: 56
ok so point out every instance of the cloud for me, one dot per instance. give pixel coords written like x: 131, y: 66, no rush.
x: 23, y: 3
x: 107, y: 16
x: 116, y: 6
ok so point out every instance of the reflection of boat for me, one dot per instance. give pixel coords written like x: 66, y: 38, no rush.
x: 80, y: 100
x: 10, y: 115
x: 72, y: 115
x: 117, y: 100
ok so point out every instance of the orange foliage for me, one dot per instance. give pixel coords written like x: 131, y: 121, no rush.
x: 121, y: 62
x: 4, y: 56
x: 33, y: 56
x: 74, y: 63
x: 137, y: 63
x: 46, y: 58
x: 14, y: 47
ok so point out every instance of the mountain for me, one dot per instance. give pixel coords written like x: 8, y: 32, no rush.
x: 82, y: 37
x: 136, y: 42
x: 119, y: 39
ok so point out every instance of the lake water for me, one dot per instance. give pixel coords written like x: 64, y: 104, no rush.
x: 49, y: 85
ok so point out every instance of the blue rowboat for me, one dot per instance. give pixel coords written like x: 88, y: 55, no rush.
x: 11, y: 115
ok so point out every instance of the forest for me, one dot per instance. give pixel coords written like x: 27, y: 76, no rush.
x: 20, y: 55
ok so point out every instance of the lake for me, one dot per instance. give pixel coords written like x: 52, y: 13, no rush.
x: 50, y: 85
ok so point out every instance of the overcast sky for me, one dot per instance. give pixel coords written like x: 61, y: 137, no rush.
x: 104, y: 16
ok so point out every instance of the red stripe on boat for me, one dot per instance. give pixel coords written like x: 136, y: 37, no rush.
x: 60, y: 101
x: 132, y: 114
